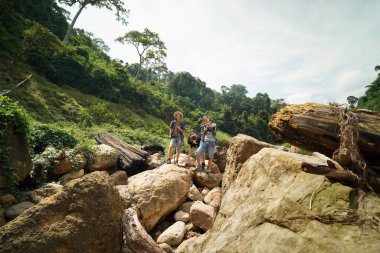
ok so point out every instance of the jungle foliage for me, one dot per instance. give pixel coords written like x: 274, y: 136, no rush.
x: 31, y: 35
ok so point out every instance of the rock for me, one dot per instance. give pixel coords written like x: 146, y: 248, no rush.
x: 220, y: 157
x: 194, y: 194
x: 267, y: 209
x: 166, y: 247
x: 205, y: 190
x: 213, y: 168
x: 214, y: 197
x: 119, y: 178
x: 19, y: 159
x: 17, y: 209
x: 173, y: 235
x: 182, y: 216
x: 154, y: 149
x: 185, y: 245
x: 190, y: 234
x: 124, y: 194
x: 7, y: 199
x: 2, y: 217
x: 84, y: 217
x: 155, y: 160
x: 186, y: 207
x: 241, y: 148
x: 69, y: 162
x: 105, y: 158
x: 202, y: 215
x: 71, y: 175
x: 294, y: 149
x: 156, y: 193
x: 182, y: 161
x: 46, y: 191
x: 208, y: 180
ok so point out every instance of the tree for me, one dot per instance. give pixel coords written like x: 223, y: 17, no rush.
x: 352, y: 101
x: 121, y: 11
x: 150, y: 48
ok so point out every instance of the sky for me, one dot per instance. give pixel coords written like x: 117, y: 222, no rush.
x: 299, y: 50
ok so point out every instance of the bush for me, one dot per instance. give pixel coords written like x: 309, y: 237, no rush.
x: 13, y: 120
x: 44, y: 136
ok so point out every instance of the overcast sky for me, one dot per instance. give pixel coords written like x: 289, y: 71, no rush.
x: 300, y: 50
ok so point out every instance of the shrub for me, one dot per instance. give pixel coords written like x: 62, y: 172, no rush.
x: 13, y: 119
x: 45, y: 135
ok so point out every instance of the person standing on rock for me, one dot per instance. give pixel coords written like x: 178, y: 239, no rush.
x: 193, y: 140
x: 176, y: 134
x: 208, y: 140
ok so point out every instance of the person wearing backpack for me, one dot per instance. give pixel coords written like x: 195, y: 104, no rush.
x: 176, y: 135
x: 208, y: 142
x: 193, y: 140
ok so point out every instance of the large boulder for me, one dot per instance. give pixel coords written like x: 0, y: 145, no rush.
x: 194, y: 194
x: 156, y: 193
x: 202, y: 215
x: 119, y: 177
x: 46, y: 191
x: 84, y: 217
x: 220, y: 158
x: 273, y: 206
x: 241, y: 148
x: 105, y: 157
x: 21, y: 164
x: 71, y: 175
x: 214, y: 197
x: 67, y: 162
x: 17, y: 209
x: 208, y: 180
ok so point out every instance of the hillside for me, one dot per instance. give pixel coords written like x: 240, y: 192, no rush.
x: 84, y: 115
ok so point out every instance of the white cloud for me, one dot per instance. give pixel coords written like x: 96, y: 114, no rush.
x: 302, y: 51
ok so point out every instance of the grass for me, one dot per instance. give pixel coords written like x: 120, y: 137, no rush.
x: 83, y: 115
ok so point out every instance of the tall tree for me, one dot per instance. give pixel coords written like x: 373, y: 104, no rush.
x: 150, y: 48
x: 121, y: 11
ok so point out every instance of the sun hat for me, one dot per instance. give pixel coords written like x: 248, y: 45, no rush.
x: 177, y: 112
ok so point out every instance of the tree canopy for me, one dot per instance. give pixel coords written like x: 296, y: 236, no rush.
x: 121, y: 11
x: 150, y: 48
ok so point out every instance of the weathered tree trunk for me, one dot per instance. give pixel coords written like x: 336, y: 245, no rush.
x: 71, y: 27
x: 315, y: 127
x: 132, y: 160
x: 137, y: 239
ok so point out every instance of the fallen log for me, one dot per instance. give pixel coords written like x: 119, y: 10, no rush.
x: 345, y: 177
x: 132, y: 160
x: 136, y: 238
x: 315, y: 127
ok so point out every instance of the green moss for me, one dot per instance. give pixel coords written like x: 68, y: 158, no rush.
x: 333, y: 198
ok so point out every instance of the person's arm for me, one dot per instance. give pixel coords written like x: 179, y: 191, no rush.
x: 181, y: 128
x: 171, y: 126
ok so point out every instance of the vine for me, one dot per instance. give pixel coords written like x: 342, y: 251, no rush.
x: 13, y: 120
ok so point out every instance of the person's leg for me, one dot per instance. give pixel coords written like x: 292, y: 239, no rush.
x: 171, y: 145
x: 211, y: 150
x: 178, y: 150
x: 200, y: 153
x: 189, y: 154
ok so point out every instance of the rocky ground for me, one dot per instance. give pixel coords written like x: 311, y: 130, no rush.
x: 262, y: 202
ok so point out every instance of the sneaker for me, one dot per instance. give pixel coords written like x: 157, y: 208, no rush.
x: 202, y: 166
x: 176, y: 163
x: 168, y: 161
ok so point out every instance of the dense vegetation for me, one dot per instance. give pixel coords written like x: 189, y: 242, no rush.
x: 32, y: 32
x: 371, y: 99
x: 78, y: 89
